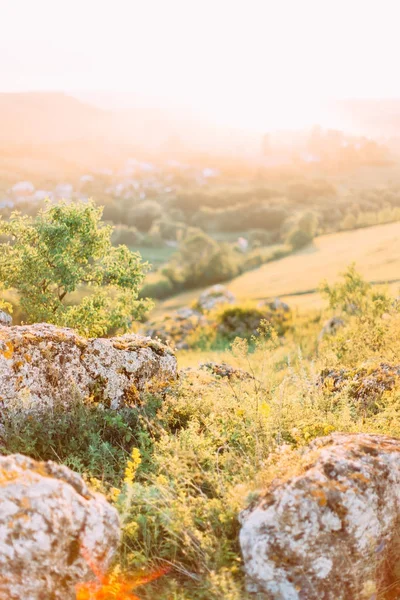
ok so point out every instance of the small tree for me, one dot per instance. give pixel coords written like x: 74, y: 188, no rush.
x: 66, y: 248
x: 303, y: 233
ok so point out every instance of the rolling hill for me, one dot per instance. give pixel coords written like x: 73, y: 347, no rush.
x: 375, y: 250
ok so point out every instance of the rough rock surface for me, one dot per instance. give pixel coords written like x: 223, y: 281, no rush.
x: 41, y: 364
x: 53, y: 530
x: 174, y: 329
x: 5, y: 319
x: 330, y: 533
x: 365, y: 384
x: 225, y: 371
x: 215, y: 296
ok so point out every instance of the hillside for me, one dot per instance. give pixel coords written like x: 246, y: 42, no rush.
x: 375, y: 250
x: 43, y: 118
x: 46, y: 117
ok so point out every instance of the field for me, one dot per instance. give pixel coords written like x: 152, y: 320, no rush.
x: 375, y: 250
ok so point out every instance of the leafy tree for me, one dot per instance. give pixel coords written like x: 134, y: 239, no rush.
x: 303, y: 233
x: 66, y: 248
x: 201, y: 261
x: 144, y: 214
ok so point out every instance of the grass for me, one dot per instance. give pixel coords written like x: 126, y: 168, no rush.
x: 181, y: 467
x: 155, y: 256
x: 375, y: 250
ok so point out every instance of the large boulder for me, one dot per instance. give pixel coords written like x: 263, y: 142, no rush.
x: 330, y: 532
x: 54, y: 532
x: 42, y: 364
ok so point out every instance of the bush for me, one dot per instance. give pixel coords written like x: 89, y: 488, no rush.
x: 65, y: 247
x: 201, y: 261
x: 144, y: 214
x: 245, y: 321
x: 157, y: 287
x: 304, y: 231
x: 261, y: 256
x: 297, y: 239
x: 130, y: 236
x: 260, y: 237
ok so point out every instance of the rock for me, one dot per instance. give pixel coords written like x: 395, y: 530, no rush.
x: 53, y: 530
x: 42, y: 364
x: 331, y: 327
x: 5, y: 319
x: 186, y: 313
x: 215, y: 296
x: 225, y: 371
x: 275, y: 305
x: 364, y: 384
x: 175, y: 328
x: 331, y: 532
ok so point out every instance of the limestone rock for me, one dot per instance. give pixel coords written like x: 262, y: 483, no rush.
x: 175, y: 328
x: 224, y: 370
x: 5, y: 319
x: 42, y: 364
x: 215, y: 296
x: 331, y: 532
x: 53, y: 530
x: 365, y: 384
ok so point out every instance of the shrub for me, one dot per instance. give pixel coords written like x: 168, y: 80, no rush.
x: 260, y: 237
x: 157, y: 287
x: 144, y: 214
x: 201, y: 261
x: 246, y: 321
x: 66, y: 246
x: 130, y: 236
x: 304, y: 231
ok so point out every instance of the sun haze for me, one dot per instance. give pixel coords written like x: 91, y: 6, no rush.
x: 243, y: 63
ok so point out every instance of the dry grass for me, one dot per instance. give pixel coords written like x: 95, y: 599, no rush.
x: 375, y: 250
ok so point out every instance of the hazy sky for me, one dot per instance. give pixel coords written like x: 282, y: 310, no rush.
x: 226, y: 58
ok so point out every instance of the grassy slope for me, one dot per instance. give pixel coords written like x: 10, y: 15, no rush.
x: 375, y: 250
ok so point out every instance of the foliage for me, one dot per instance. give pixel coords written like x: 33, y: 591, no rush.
x: 87, y: 438
x: 144, y: 214
x: 64, y: 247
x: 180, y: 468
x: 245, y: 320
x: 201, y: 261
x: 158, y: 287
x: 304, y: 231
x: 130, y: 236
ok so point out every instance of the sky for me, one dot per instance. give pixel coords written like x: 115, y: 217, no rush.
x: 226, y: 59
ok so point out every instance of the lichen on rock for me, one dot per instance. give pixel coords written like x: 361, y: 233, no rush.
x: 331, y: 529
x: 42, y: 364
x: 53, y: 530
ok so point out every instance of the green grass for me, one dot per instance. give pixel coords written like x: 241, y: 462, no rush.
x: 155, y: 256
x: 180, y: 467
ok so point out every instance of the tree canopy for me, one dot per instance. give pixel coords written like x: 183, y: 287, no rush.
x: 66, y: 271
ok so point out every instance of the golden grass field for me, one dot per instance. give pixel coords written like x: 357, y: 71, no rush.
x: 375, y: 251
